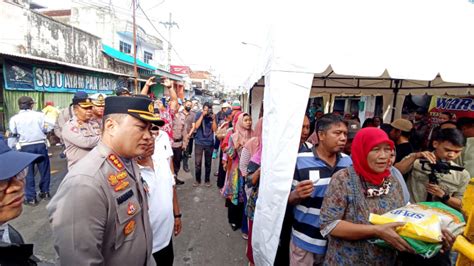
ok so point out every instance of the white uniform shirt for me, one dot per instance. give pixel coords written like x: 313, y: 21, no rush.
x: 163, y: 150
x: 30, y: 125
x: 160, y: 202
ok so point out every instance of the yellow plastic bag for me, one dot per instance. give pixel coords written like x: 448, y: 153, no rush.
x: 418, y: 226
x: 423, y: 223
x: 423, y: 220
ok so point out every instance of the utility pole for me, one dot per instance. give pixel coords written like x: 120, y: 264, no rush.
x: 135, y: 70
x: 169, y: 25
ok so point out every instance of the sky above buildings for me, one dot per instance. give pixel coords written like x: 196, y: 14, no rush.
x: 209, y: 36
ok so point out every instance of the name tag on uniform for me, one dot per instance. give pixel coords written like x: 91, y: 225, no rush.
x: 314, y: 176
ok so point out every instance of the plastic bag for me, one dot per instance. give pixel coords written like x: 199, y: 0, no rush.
x: 424, y: 221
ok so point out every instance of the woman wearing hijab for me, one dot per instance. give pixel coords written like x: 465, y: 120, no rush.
x: 233, y: 189
x: 251, y: 148
x: 250, y: 168
x: 355, y: 192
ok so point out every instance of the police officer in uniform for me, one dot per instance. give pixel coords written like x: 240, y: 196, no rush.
x: 99, y: 214
x: 98, y: 102
x: 80, y: 134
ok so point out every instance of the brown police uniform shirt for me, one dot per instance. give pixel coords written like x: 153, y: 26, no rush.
x: 79, y: 138
x: 179, y: 130
x: 64, y: 116
x: 454, y: 183
x: 189, y: 120
x: 99, y: 215
x: 98, y: 120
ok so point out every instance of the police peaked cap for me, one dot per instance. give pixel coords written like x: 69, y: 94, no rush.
x: 139, y: 107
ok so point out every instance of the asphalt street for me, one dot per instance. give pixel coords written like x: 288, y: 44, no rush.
x: 206, y: 239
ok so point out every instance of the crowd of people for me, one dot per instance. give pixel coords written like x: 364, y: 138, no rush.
x: 344, y: 172
x: 118, y: 203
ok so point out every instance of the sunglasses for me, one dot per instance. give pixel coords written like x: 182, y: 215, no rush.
x: 154, y: 128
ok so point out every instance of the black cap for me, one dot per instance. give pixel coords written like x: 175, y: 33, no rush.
x: 82, y: 99
x: 122, y: 91
x: 25, y: 100
x: 139, y: 107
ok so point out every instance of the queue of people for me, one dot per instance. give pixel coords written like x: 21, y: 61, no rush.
x: 118, y: 203
x: 344, y: 172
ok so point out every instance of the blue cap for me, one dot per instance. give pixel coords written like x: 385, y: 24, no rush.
x: 13, y: 162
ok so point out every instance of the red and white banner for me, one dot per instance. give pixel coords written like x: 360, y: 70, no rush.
x: 180, y: 70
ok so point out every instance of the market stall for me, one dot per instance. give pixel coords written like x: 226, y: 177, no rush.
x: 342, y: 47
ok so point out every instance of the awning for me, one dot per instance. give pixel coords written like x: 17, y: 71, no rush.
x: 125, y: 58
x: 169, y: 75
x: 52, y: 61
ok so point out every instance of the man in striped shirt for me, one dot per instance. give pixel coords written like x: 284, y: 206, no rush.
x: 314, y: 168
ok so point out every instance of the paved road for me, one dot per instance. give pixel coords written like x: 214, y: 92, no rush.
x: 206, y: 239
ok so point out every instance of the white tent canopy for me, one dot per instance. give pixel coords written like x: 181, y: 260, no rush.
x: 364, y: 47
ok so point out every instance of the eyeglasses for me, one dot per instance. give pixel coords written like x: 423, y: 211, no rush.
x: 4, y: 184
x: 154, y: 128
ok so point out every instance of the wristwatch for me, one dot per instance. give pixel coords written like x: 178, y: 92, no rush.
x: 445, y: 197
x: 178, y: 215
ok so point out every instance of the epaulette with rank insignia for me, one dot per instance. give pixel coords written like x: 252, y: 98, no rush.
x: 116, y: 162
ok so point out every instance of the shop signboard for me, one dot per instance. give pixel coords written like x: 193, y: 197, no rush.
x: 459, y: 106
x: 19, y: 76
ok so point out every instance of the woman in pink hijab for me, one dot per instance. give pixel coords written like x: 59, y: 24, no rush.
x: 250, y: 169
x: 233, y: 189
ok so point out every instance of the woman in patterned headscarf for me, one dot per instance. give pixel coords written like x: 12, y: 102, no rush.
x: 233, y: 189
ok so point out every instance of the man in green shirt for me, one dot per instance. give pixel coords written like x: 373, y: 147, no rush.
x: 449, y: 189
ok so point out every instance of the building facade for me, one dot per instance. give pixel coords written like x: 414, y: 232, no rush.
x: 51, y: 55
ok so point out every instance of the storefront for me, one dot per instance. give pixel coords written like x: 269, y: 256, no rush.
x: 48, y: 80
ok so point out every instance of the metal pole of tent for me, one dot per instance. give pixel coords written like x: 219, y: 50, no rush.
x: 395, y: 94
x: 250, y: 101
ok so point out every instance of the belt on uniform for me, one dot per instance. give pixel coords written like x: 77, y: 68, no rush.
x: 178, y: 140
x: 32, y: 143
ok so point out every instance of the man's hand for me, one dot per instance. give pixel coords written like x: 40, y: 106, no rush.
x: 204, y: 112
x: 427, y: 155
x: 304, y: 189
x: 388, y: 234
x: 448, y: 240
x: 167, y: 83
x: 224, y: 164
x: 435, y: 190
x: 177, y: 226
x: 150, y: 81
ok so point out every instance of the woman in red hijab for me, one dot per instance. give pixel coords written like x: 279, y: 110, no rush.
x: 355, y: 192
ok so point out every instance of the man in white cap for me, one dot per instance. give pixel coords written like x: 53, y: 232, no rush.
x: 98, y: 105
x: 400, y: 134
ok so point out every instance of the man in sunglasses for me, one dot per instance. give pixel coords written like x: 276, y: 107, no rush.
x: 30, y: 127
x: 14, y: 167
x: 80, y: 134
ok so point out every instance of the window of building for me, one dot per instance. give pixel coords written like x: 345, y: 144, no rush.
x: 147, y: 57
x: 125, y: 47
